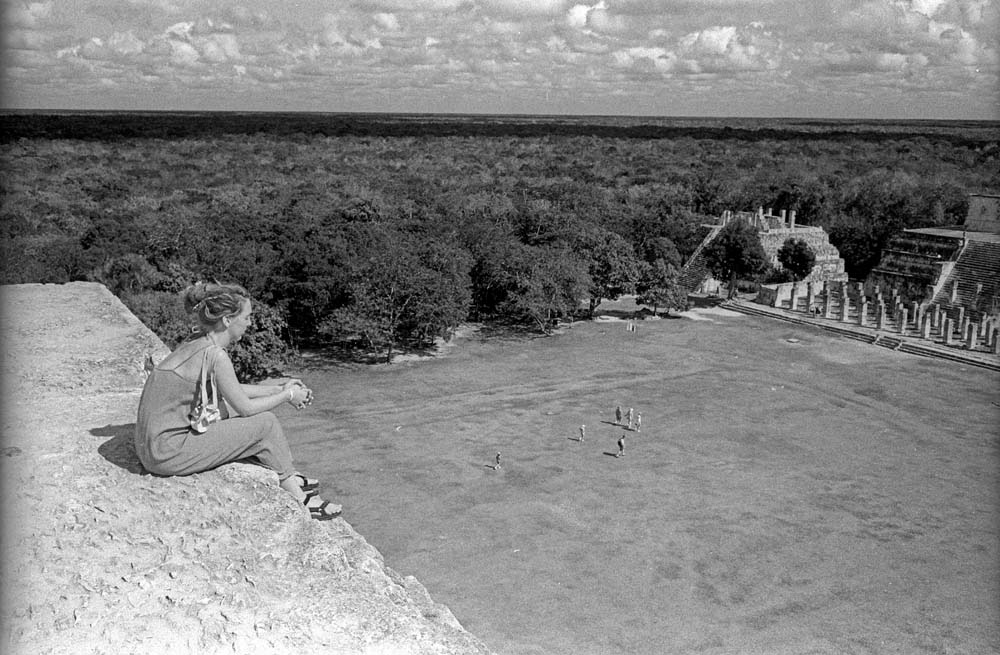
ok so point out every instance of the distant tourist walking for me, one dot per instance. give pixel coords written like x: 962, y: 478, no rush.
x: 630, y: 418
x: 621, y: 446
x: 618, y: 415
x: 638, y: 421
x: 497, y: 465
x: 583, y: 432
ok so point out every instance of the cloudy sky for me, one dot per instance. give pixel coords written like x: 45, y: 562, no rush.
x: 797, y: 58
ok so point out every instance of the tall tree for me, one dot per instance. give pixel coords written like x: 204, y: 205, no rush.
x: 797, y: 257
x: 659, y: 286
x: 551, y: 282
x: 735, y: 253
x: 401, y: 292
x: 614, y: 267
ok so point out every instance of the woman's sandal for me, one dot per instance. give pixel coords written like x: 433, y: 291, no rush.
x: 308, y: 484
x: 317, y: 507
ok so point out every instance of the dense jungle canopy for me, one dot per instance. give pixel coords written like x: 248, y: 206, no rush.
x: 384, y: 235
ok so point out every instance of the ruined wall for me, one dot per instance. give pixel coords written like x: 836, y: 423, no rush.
x: 984, y: 214
x: 829, y: 264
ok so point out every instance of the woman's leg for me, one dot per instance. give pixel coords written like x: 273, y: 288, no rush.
x: 259, y: 436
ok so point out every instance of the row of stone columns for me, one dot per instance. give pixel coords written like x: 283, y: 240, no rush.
x: 908, y: 318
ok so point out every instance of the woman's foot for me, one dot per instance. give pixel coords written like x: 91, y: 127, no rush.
x: 306, y: 484
x: 320, y: 509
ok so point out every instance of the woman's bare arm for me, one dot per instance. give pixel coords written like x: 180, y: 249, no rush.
x: 247, y: 405
x: 258, y: 390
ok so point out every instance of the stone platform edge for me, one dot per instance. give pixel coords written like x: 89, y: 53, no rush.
x: 98, y: 556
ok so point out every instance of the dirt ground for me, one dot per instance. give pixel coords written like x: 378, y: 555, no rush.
x: 790, y: 491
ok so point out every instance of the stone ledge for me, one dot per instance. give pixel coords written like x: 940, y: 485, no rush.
x: 101, y: 557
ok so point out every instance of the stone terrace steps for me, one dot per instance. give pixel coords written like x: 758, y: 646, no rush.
x: 978, y: 264
x: 695, y: 271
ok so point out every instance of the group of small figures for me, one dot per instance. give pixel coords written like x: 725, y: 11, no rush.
x: 633, y: 422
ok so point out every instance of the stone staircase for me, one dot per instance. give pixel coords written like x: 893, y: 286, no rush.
x: 695, y: 272
x: 974, y: 281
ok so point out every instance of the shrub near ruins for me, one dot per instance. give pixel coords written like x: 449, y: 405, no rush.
x: 797, y: 257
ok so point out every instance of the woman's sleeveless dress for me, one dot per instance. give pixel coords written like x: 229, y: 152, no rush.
x: 166, y: 445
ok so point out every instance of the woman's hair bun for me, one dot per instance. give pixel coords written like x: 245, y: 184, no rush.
x: 211, y: 301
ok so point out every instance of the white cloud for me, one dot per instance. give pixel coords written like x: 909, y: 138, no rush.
x: 927, y: 7
x: 125, y: 43
x: 601, y: 19
x: 182, y: 53
x: 577, y: 16
x: 219, y: 48
x: 710, y: 41
x: 431, y: 6
x: 597, y: 17
x: 658, y: 58
x: 524, y: 7
x: 28, y: 15
x: 387, y: 21
x: 180, y: 30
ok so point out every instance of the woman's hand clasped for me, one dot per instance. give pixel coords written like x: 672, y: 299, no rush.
x: 308, y: 400
x: 301, y: 395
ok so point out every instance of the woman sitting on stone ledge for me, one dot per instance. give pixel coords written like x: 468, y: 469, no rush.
x: 171, y: 441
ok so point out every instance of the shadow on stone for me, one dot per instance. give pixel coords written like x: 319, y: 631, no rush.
x: 700, y: 302
x: 119, y: 449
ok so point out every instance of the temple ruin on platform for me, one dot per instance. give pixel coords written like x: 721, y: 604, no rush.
x: 773, y: 230
x: 939, y: 284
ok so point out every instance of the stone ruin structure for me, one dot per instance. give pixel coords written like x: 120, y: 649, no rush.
x: 939, y: 284
x: 773, y: 230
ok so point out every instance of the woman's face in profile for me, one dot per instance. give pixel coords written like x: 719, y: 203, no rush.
x: 241, y: 322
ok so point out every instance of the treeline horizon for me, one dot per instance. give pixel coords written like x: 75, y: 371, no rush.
x: 387, y: 240
x: 104, y: 125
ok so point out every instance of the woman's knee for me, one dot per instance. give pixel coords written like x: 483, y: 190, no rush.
x: 271, y: 422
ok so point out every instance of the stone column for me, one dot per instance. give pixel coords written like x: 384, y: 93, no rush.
x: 795, y: 295
x: 996, y: 342
x: 810, y: 296
x: 827, y: 301
x: 880, y: 316
x: 925, y: 330
x: 845, y: 309
x: 862, y: 311
x: 902, y: 319
x: 972, y: 340
x: 947, y: 331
